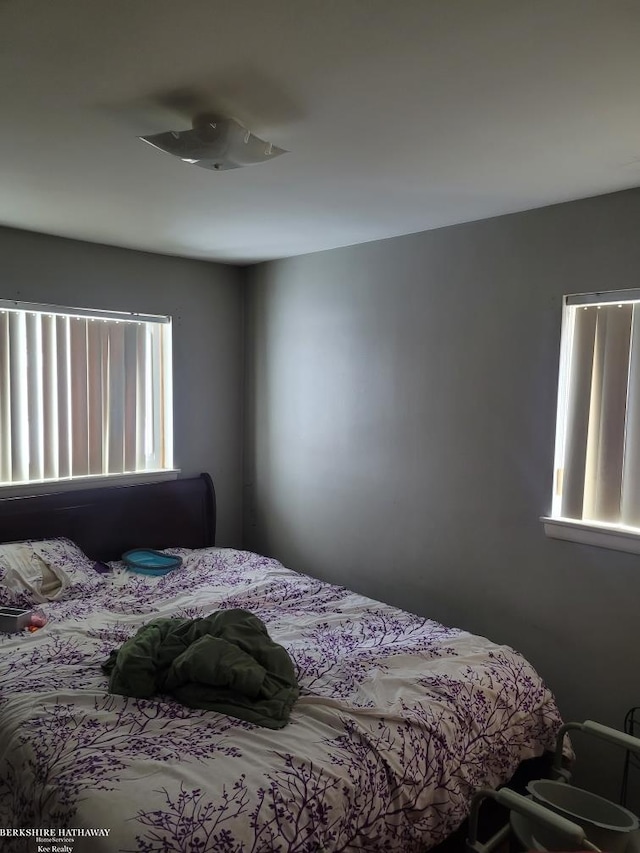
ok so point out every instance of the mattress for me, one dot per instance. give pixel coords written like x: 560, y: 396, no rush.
x: 398, y: 722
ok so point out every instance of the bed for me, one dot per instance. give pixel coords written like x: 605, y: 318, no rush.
x: 398, y: 721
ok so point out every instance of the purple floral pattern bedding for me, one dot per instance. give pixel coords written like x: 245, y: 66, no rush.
x: 399, y: 720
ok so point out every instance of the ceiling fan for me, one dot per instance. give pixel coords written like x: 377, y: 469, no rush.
x: 215, y: 142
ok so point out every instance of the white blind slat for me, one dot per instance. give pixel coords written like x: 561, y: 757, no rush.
x: 5, y: 400
x: 153, y: 458
x: 115, y: 458
x: 141, y: 399
x: 131, y: 333
x: 65, y: 424
x: 19, y: 399
x: 630, y: 510
x: 96, y: 343
x: 79, y: 397
x: 49, y: 398
x: 575, y: 454
x: 167, y: 396
x: 35, y: 401
x: 594, y: 421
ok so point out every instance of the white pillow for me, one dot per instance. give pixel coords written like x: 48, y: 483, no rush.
x: 47, y: 570
x: 26, y: 572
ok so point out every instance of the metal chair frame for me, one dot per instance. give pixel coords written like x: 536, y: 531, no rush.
x: 572, y: 833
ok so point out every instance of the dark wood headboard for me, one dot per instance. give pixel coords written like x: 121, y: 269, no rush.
x: 108, y: 521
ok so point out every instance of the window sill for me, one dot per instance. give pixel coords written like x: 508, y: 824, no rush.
x: 610, y: 536
x: 46, y: 487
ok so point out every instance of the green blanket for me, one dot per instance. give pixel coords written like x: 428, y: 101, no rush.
x: 225, y: 662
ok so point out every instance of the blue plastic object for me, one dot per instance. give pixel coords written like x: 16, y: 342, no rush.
x: 145, y: 561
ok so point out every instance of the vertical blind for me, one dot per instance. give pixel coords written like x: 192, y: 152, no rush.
x: 83, y: 393
x: 598, y: 438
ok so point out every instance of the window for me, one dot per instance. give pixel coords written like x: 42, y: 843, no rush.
x: 83, y: 393
x: 596, y: 494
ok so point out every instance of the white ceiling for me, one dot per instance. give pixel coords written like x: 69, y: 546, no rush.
x: 399, y: 116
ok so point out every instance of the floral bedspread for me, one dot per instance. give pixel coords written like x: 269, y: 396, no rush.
x: 399, y: 720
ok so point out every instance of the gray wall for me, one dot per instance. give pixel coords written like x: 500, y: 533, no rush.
x: 205, y: 301
x: 400, y: 418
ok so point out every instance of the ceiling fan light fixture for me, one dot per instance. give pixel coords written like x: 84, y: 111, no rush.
x: 215, y: 143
